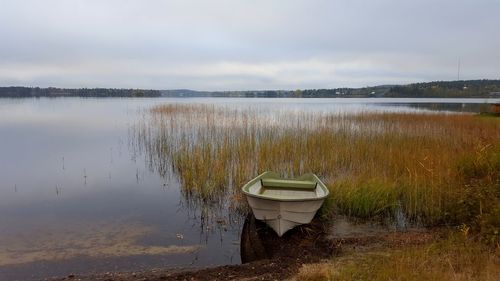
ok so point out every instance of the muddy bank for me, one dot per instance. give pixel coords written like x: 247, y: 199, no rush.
x: 266, y: 256
x: 277, y: 269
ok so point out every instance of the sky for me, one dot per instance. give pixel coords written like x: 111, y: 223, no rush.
x: 246, y: 45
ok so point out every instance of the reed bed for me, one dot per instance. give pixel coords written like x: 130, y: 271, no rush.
x: 432, y: 168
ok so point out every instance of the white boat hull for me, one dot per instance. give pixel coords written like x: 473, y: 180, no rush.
x: 284, y: 215
x: 284, y: 204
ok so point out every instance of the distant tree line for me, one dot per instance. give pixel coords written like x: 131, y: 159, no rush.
x: 438, y: 89
x: 308, y: 93
x: 448, y: 89
x: 22, y: 92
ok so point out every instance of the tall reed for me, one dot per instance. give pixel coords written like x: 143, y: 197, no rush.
x: 435, y: 168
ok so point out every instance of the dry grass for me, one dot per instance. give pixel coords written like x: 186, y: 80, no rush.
x: 433, y: 168
x: 452, y: 259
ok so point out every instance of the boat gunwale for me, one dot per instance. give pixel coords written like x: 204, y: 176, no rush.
x: 251, y: 182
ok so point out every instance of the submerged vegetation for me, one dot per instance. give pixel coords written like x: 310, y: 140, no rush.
x: 427, y: 168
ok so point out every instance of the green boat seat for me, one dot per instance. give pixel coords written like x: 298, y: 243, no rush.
x: 290, y: 184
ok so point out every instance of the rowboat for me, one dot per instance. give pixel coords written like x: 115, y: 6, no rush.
x: 285, y: 203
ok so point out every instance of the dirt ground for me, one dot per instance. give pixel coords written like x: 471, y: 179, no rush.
x: 266, y: 256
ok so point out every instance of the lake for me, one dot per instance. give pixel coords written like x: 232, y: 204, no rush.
x: 79, y: 195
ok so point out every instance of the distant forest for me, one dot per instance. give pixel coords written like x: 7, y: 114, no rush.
x: 23, y: 92
x: 438, y: 89
x: 448, y: 89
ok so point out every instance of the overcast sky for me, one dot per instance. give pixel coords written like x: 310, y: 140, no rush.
x: 240, y: 45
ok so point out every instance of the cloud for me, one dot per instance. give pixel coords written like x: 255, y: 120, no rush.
x: 231, y: 44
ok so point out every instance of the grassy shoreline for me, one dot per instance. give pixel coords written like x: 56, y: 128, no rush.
x: 455, y: 257
x: 430, y: 169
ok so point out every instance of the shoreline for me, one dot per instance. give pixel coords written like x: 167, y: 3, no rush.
x: 304, y: 245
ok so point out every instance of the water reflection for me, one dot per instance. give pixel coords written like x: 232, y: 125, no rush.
x: 450, y: 107
x: 73, y: 199
x: 306, y: 242
x: 253, y: 236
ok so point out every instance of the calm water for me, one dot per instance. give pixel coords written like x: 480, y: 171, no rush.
x: 77, y: 197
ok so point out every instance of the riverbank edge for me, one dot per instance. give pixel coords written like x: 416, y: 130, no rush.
x: 280, y: 268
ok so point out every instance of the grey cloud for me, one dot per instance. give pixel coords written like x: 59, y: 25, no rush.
x: 231, y: 44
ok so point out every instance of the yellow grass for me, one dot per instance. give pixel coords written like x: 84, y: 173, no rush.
x: 434, y: 168
x: 452, y: 259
